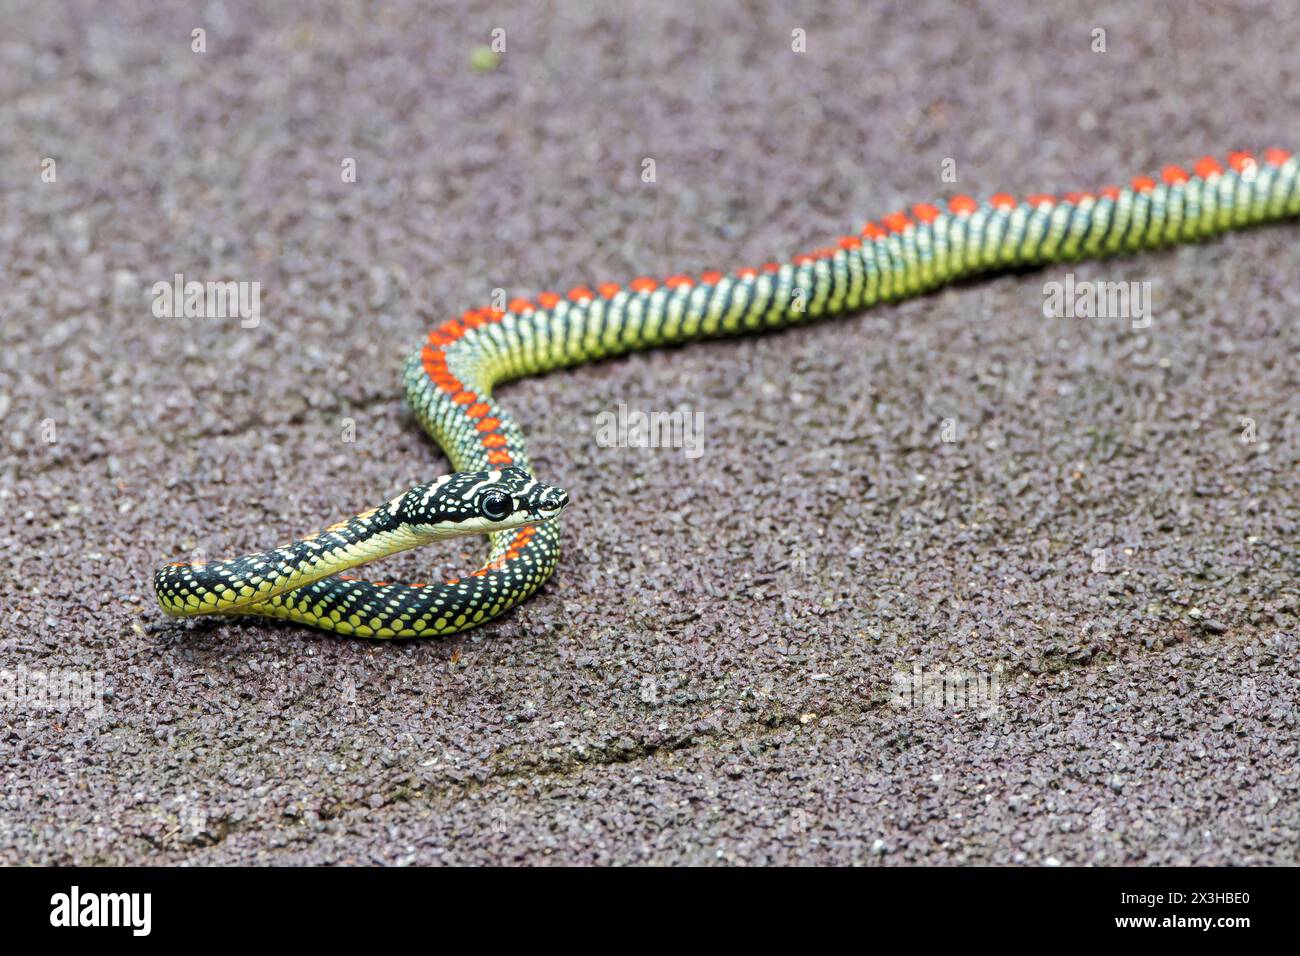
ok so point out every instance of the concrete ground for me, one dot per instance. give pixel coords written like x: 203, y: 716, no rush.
x: 709, y: 677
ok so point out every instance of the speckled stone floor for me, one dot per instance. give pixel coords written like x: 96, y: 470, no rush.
x: 708, y: 677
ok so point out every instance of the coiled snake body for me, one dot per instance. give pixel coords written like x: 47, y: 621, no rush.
x: 449, y: 381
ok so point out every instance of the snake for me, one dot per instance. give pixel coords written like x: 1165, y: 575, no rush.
x: 451, y: 377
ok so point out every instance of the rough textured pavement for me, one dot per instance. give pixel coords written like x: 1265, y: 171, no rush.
x: 708, y: 677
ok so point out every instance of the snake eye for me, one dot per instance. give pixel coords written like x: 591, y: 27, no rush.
x: 495, y: 505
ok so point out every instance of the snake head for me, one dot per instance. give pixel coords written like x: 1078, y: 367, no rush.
x: 479, y: 502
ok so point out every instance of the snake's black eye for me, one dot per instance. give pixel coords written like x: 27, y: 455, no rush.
x: 495, y: 505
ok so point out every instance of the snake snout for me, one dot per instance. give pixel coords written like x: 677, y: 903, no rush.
x: 553, y: 501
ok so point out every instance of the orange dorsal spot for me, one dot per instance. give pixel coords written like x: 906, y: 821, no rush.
x: 580, y: 294
x: 418, y: 584
x: 488, y: 425
x: 464, y: 398
x: 493, y: 441
x: 772, y: 267
x: 873, y: 232
x: 494, y: 315
x: 478, y: 410
x: 1110, y: 192
x: 678, y: 282
x: 451, y: 328
x: 1077, y: 199
x: 1208, y: 166
x: 520, y: 306
x: 472, y: 319
x: 924, y: 212
x: 850, y: 242
x: 549, y: 300
x: 1040, y: 199
x: 643, y: 284
x: 1002, y: 201
x: 1276, y: 157
x: 802, y: 260
x: 499, y: 457
x: 608, y: 290
x: 896, y: 222
x: 712, y: 277
x: 962, y: 205
x: 432, y: 339
x: 1174, y: 175
x: 747, y: 273
x: 1241, y: 160
x: 1143, y: 184
x: 447, y: 383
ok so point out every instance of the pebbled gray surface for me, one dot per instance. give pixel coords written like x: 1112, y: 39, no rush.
x: 708, y: 677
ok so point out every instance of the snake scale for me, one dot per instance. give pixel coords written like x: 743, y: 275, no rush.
x: 450, y: 379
